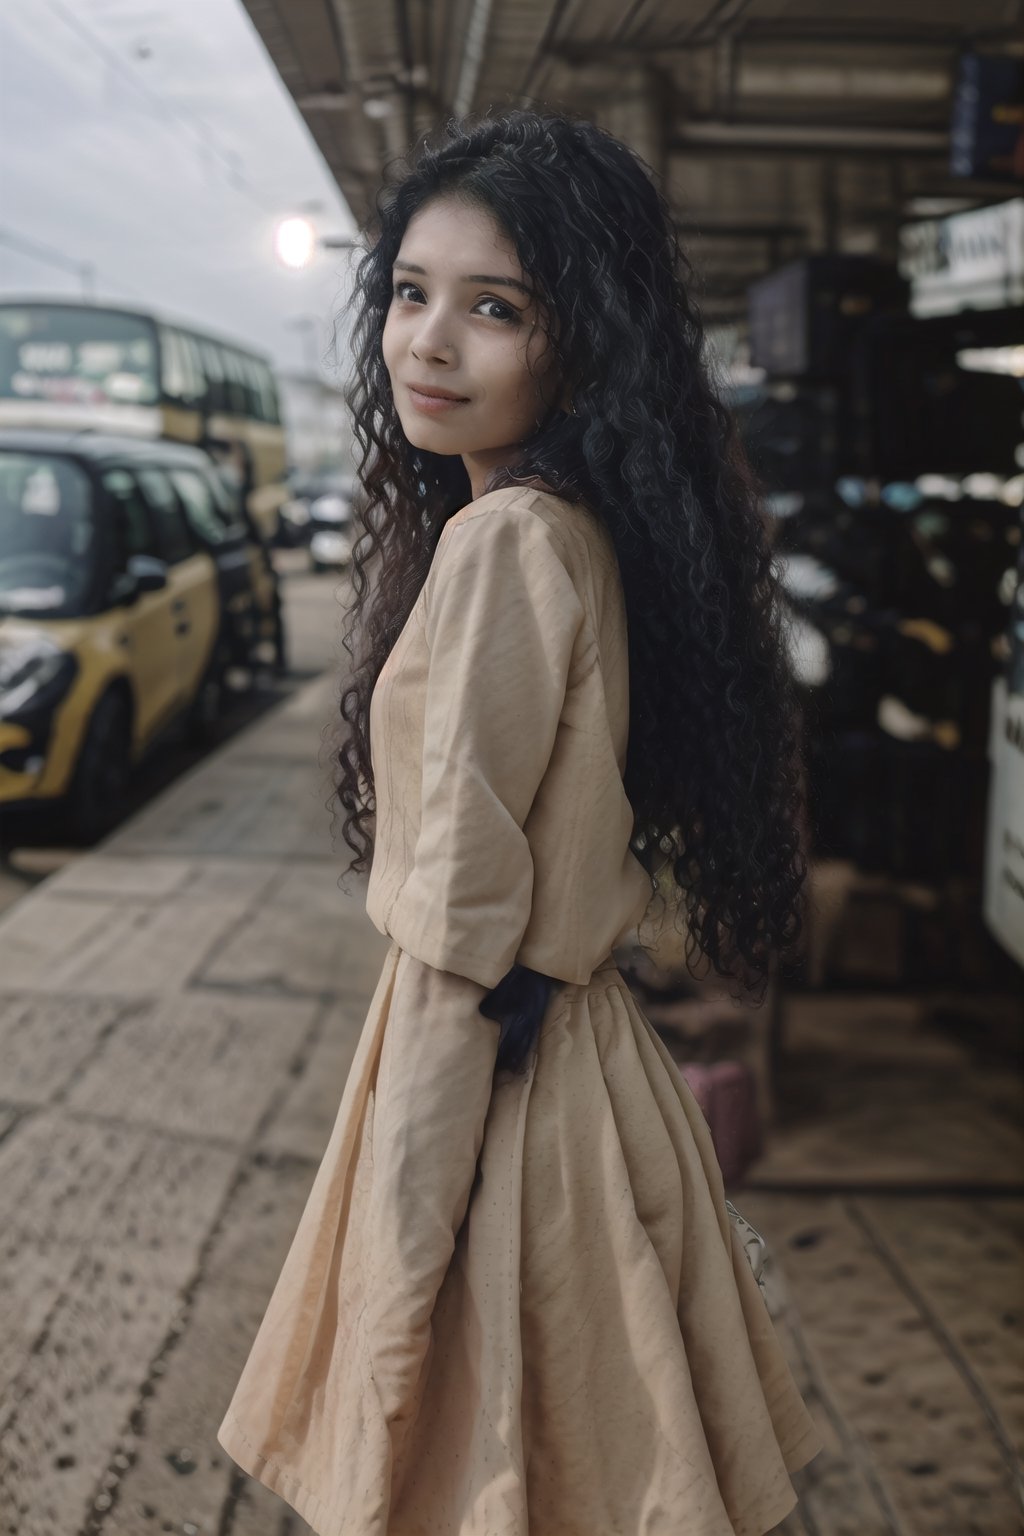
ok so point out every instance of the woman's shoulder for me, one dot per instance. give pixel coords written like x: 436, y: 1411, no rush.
x: 575, y: 528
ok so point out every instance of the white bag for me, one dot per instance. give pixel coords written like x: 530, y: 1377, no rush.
x: 754, y: 1245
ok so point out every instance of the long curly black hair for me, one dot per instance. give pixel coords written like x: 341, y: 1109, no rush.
x: 714, y: 771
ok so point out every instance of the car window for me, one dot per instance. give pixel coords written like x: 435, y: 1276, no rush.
x: 203, y: 509
x: 174, y: 538
x: 228, y: 500
x: 135, y: 533
x: 48, y: 535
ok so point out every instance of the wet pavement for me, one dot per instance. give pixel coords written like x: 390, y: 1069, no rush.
x: 178, y: 1012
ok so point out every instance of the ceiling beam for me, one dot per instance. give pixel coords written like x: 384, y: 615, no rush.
x: 807, y: 138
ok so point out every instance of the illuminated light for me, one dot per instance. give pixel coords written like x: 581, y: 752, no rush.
x: 808, y: 652
x: 983, y: 486
x: 993, y: 360
x: 939, y: 487
x: 295, y: 242
x: 1013, y: 493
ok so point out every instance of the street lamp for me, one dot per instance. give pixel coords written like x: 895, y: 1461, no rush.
x: 296, y: 241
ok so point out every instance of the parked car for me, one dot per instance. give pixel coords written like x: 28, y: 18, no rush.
x: 127, y: 591
x: 318, y: 513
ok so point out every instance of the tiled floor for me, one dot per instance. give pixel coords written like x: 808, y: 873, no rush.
x: 892, y: 1195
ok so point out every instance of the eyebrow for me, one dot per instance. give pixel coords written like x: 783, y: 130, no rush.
x: 472, y: 277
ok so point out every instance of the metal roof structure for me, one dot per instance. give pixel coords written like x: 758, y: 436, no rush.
x: 780, y: 127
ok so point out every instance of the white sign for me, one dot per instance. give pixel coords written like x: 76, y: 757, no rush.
x: 974, y: 258
x: 1004, y: 853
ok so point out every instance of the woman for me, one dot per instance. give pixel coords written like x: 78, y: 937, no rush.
x: 515, y: 1302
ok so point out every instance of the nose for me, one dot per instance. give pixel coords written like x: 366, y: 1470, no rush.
x: 430, y: 341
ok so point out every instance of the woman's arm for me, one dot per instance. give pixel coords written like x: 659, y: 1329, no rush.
x: 431, y: 1099
x: 501, y: 623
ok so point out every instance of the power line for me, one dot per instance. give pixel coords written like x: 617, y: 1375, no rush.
x: 85, y: 271
x: 196, y: 126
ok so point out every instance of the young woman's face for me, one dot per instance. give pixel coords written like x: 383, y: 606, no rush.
x: 471, y: 368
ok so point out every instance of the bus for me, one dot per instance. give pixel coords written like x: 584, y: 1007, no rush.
x: 71, y: 365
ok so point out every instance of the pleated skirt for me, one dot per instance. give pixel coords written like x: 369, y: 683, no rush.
x: 598, y: 1359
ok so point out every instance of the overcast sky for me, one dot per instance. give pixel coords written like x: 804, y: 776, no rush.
x: 154, y: 139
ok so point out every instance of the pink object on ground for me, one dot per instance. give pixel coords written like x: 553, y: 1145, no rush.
x: 725, y: 1092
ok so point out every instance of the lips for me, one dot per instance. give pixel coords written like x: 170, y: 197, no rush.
x: 433, y: 392
x: 430, y: 400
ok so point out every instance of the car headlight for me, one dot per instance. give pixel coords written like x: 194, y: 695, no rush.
x: 296, y: 512
x: 33, y: 675
x: 808, y: 652
x: 330, y: 509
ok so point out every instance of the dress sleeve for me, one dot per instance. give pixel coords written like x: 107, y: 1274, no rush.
x: 501, y: 615
x: 432, y: 1095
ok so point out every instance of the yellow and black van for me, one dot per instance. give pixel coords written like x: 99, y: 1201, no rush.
x: 129, y: 585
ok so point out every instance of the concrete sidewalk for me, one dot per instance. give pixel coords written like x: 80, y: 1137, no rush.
x: 178, y: 1012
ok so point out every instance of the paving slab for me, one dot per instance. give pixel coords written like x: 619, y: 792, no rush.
x: 250, y: 808
x: 132, y: 880
x: 35, y: 1273
x: 909, y: 1418
x: 58, y: 1175
x: 248, y: 1245
x: 78, y: 1387
x: 300, y: 731
x: 292, y: 942
x: 40, y: 937
x: 305, y: 1115
x: 46, y: 1040
x: 110, y: 946
x: 198, y: 1063
x: 963, y: 1266
x: 177, y: 1476
x: 113, y: 1187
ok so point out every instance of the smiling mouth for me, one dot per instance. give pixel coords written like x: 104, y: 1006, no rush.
x: 434, y: 401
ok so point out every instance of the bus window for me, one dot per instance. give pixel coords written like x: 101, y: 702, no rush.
x: 195, y: 369
x: 252, y: 404
x: 172, y: 365
x: 213, y: 367
x: 269, y: 389
x: 255, y: 385
x: 72, y: 354
x: 237, y: 403
x: 181, y: 378
x: 267, y: 393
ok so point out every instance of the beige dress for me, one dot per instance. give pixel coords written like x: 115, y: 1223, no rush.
x: 515, y: 1305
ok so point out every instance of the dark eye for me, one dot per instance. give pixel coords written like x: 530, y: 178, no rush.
x: 399, y: 291
x: 499, y: 310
